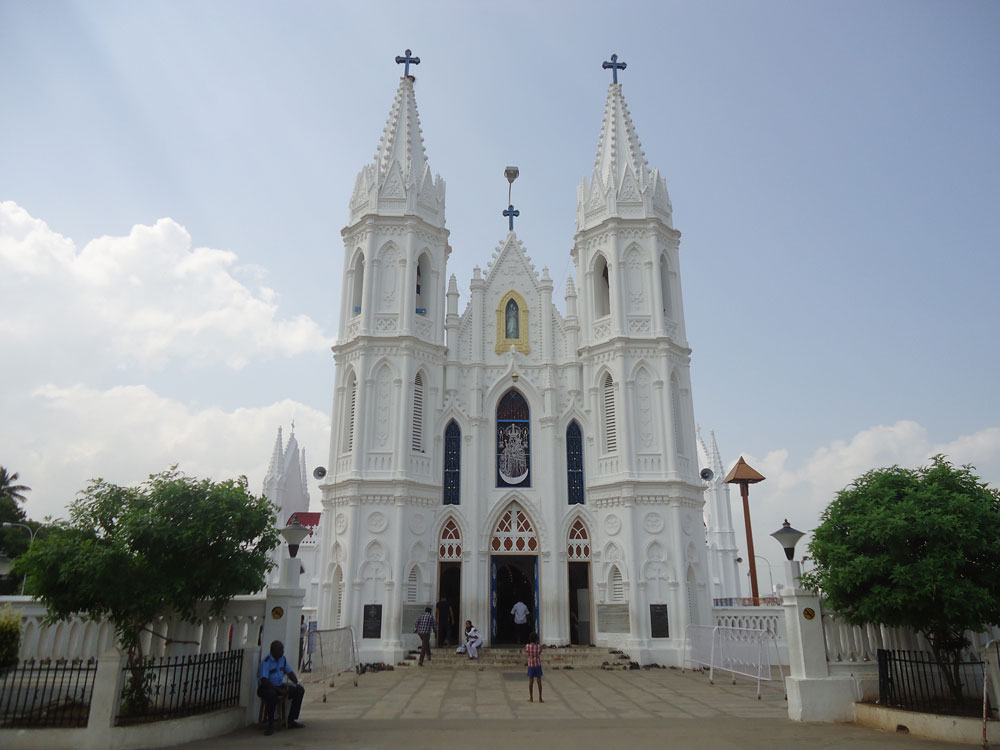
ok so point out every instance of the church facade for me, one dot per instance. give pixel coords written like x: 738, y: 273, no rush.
x: 507, y: 451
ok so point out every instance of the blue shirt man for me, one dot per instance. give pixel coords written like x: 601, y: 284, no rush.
x: 271, y: 685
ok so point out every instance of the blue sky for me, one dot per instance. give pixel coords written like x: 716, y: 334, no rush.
x: 833, y: 168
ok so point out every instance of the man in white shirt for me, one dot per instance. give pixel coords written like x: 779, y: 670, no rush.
x: 521, y: 612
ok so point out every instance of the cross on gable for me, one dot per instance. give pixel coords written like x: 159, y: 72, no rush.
x: 407, y: 60
x: 613, y: 65
x: 510, y: 212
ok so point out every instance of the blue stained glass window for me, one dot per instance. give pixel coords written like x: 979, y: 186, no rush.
x: 513, y: 441
x: 574, y: 464
x: 452, y: 463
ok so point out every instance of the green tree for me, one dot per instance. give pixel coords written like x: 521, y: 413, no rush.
x: 8, y: 489
x: 917, y: 548
x: 131, y: 554
x: 13, y: 539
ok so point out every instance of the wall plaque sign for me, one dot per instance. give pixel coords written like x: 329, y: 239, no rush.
x: 659, y: 626
x: 371, y: 626
x: 613, y: 618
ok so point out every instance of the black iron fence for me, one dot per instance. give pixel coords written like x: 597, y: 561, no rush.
x: 177, y: 686
x: 915, y: 681
x: 40, y: 694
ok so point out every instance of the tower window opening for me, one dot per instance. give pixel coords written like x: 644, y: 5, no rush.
x: 417, y: 442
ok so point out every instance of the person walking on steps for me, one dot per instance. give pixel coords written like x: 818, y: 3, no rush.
x: 521, y: 612
x: 424, y: 627
x: 271, y: 685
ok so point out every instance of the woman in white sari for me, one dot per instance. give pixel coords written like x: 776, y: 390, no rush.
x: 472, y: 641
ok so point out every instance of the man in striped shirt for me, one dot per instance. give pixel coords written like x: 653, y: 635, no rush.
x: 424, y: 627
x: 533, y: 656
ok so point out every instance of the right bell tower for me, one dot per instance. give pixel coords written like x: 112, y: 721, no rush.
x: 643, y: 479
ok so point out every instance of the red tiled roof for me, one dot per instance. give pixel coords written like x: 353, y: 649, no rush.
x: 310, y: 520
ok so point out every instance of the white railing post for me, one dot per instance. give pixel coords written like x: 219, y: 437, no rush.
x: 105, y: 698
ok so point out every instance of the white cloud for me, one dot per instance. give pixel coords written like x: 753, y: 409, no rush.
x: 800, y: 490
x: 125, y: 433
x: 140, y: 300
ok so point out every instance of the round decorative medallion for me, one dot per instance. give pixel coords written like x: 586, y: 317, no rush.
x: 612, y: 524
x: 653, y: 523
x: 377, y: 522
x: 808, y: 613
x: 418, y: 524
x: 341, y: 524
x: 277, y: 613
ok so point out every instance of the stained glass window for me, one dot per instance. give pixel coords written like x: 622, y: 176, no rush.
x: 513, y: 441
x: 574, y: 464
x: 452, y: 463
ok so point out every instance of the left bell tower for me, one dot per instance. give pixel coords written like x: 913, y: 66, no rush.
x: 389, y: 376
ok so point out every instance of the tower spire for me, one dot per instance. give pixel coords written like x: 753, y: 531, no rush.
x: 622, y: 185
x: 399, y: 181
x: 277, y: 460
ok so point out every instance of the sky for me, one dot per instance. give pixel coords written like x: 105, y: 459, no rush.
x: 174, y: 177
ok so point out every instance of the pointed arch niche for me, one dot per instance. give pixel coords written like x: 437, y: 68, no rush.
x: 602, y: 288
x: 423, y: 278
x: 512, y: 324
x: 359, y: 285
x: 668, y: 306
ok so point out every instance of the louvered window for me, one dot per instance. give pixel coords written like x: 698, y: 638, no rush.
x: 610, y: 428
x: 352, y: 398
x: 338, y: 584
x: 678, y: 417
x: 452, y: 464
x: 617, y: 585
x: 412, y: 586
x: 574, y: 464
x: 418, y: 414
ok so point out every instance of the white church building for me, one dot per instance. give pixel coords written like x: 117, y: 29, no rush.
x: 508, y: 451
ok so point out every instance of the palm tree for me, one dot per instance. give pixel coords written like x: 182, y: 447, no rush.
x: 8, y: 489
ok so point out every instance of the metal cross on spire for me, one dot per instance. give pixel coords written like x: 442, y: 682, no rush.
x: 407, y: 60
x: 614, y: 65
x: 510, y: 212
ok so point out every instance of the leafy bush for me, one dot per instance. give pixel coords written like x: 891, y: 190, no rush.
x: 10, y: 636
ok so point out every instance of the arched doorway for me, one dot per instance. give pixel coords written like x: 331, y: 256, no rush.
x: 578, y: 556
x: 450, y: 580
x: 513, y: 575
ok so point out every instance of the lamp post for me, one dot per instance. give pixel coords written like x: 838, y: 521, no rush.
x: 31, y: 531
x: 788, y: 537
x: 294, y: 533
x: 770, y: 577
x: 743, y: 475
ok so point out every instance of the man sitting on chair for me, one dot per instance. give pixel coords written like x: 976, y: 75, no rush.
x: 271, y: 685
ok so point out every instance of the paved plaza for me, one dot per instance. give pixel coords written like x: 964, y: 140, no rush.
x: 487, y: 709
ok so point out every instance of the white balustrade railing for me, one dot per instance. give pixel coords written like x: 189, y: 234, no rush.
x: 771, y: 619
x: 81, y: 637
x: 846, y: 643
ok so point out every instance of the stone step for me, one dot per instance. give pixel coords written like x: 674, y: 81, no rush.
x: 574, y: 657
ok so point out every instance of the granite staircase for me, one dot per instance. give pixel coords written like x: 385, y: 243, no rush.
x: 512, y: 659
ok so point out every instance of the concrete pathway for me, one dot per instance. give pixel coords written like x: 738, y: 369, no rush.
x: 412, y: 709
